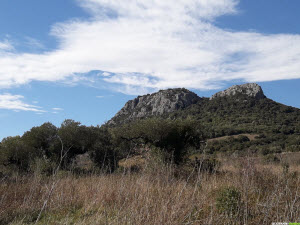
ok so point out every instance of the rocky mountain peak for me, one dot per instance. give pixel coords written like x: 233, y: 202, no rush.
x: 250, y: 89
x: 156, y: 104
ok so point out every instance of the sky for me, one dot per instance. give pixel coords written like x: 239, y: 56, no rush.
x: 84, y: 59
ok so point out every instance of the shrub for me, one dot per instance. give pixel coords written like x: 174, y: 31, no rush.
x: 242, y: 139
x: 102, y: 151
x: 171, y: 137
x: 15, y: 155
x: 209, y: 165
x: 285, y: 168
x: 41, y: 166
x: 229, y: 201
x: 271, y: 158
x: 264, y: 151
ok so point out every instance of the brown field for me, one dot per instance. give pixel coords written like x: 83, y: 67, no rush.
x: 164, y: 195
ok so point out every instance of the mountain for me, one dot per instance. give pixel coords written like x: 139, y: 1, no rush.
x: 246, y: 100
x: 173, y: 123
x: 251, y: 90
x: 157, y: 104
x: 240, y: 109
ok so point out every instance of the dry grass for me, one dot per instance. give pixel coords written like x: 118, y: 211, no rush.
x: 232, y: 164
x: 135, y: 161
x: 161, y: 197
x: 251, y: 137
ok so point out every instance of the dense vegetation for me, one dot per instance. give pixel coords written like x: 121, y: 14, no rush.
x: 49, y: 147
x: 216, y: 162
x: 241, y: 114
x: 173, y: 137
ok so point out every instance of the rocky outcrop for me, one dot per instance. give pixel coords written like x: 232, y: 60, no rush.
x: 167, y: 101
x: 251, y: 90
x: 157, y: 104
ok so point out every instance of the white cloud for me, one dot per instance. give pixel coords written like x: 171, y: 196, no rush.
x: 100, y: 96
x: 105, y: 74
x: 57, y: 109
x: 5, y: 46
x: 155, y: 44
x: 15, y: 102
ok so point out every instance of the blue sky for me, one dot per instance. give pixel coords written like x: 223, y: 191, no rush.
x: 84, y: 59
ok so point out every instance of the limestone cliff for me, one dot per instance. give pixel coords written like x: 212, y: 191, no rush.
x: 167, y: 101
x: 156, y: 104
x: 250, y: 90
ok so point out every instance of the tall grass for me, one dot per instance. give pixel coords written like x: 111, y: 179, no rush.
x: 164, y: 195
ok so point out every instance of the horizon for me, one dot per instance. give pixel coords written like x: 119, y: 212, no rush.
x: 84, y: 60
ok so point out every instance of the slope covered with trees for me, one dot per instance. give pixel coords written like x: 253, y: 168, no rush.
x: 189, y: 125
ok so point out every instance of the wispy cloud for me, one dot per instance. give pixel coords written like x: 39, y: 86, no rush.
x: 6, y: 46
x: 16, y: 103
x: 34, y: 43
x: 57, y: 109
x: 156, y: 44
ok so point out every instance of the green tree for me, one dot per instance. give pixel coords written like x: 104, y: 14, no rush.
x: 75, y: 139
x: 15, y: 154
x: 172, y: 137
x: 102, y: 151
x: 42, y: 139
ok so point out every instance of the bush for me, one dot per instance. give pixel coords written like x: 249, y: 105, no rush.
x: 229, y: 201
x: 209, y: 165
x: 171, y: 137
x: 41, y: 166
x: 15, y: 155
x: 102, y: 151
x: 271, y: 158
x: 242, y: 139
x: 285, y: 168
x: 264, y: 151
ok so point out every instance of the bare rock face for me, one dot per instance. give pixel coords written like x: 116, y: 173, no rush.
x: 252, y: 90
x: 156, y: 104
x: 170, y: 100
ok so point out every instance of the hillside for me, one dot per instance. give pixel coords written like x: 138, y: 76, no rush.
x: 240, y: 109
x: 156, y: 104
x: 175, y: 122
x: 171, y: 157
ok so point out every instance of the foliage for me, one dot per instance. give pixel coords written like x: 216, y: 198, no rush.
x: 229, y: 201
x: 15, y: 154
x: 101, y: 151
x: 171, y: 137
x: 278, y: 125
x: 271, y: 158
x: 42, y: 147
x: 208, y: 164
x: 41, y: 138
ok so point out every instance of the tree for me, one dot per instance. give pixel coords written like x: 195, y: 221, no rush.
x: 42, y: 139
x: 14, y: 153
x: 75, y: 139
x: 102, y: 151
x: 172, y: 137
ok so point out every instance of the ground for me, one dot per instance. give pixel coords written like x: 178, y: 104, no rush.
x: 269, y: 192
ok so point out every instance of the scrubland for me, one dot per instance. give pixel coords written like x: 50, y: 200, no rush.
x: 243, y: 190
